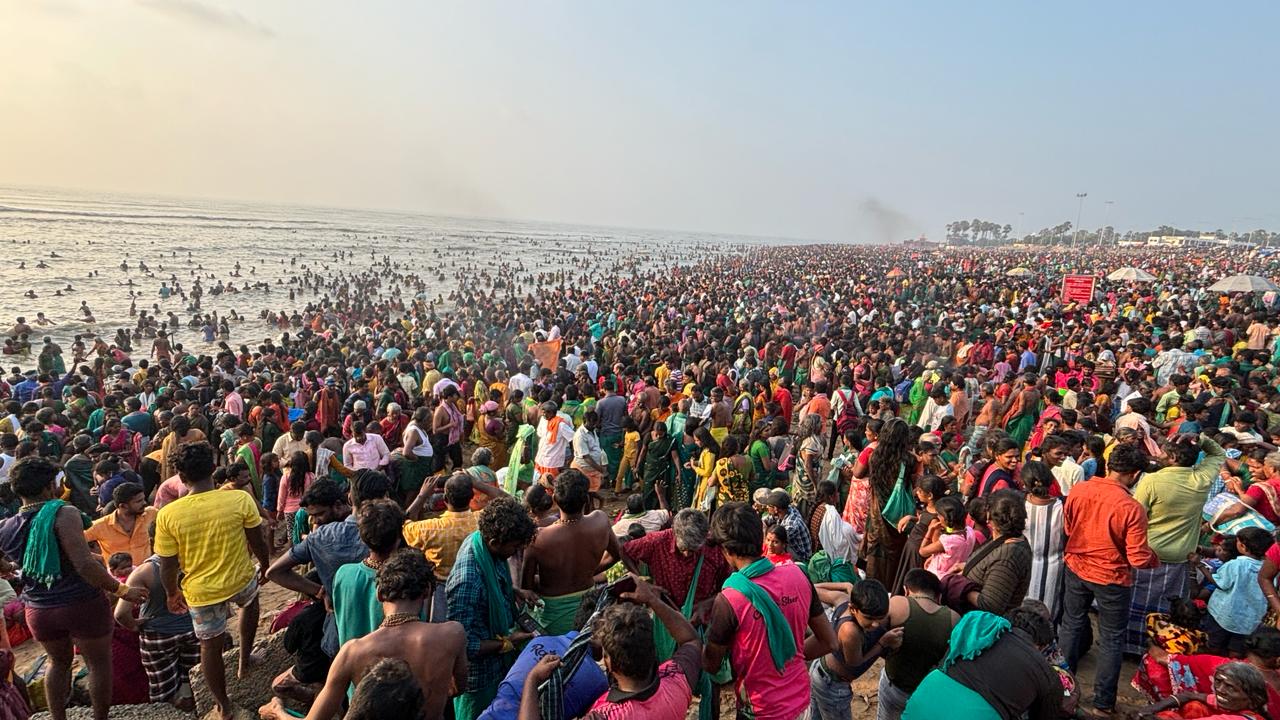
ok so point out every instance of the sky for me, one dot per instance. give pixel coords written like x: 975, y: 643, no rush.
x: 834, y: 121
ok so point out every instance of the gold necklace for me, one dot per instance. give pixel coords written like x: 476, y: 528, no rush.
x: 32, y: 506
x: 562, y: 521
x: 395, y: 619
x: 373, y: 564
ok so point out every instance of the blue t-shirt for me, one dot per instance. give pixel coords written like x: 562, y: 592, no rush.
x: 584, y: 688
x: 328, y: 548
x: 107, y: 488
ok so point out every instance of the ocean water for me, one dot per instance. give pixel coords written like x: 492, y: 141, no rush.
x: 83, y: 239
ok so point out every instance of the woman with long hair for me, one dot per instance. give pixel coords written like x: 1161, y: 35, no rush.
x: 294, y: 482
x: 858, y: 500
x: 1046, y: 535
x: 891, y: 466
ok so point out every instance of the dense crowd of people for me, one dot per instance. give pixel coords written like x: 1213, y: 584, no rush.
x: 744, y: 479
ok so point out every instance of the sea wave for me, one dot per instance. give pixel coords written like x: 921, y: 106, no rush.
x: 149, y: 216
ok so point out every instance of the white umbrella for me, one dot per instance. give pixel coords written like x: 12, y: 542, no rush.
x: 1131, y: 273
x: 1020, y: 272
x: 1244, y: 283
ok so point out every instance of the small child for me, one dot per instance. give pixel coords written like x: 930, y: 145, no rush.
x: 1224, y: 551
x: 1237, y: 606
x: 948, y: 542
x: 929, y: 488
x: 120, y: 564
x: 270, y: 486
x: 630, y: 453
x: 978, y: 520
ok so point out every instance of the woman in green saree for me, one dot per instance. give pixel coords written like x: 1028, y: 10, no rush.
x: 249, y: 452
x: 520, y: 467
x: 682, y: 431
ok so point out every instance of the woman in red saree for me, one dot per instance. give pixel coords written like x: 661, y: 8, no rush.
x: 1235, y: 691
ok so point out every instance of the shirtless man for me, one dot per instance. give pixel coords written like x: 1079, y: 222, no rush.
x: 721, y: 413
x: 20, y: 328
x: 1020, y: 416
x: 160, y: 347
x: 564, y: 558
x: 435, y: 651
x: 987, y: 416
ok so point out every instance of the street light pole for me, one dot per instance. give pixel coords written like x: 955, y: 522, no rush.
x: 1079, y: 214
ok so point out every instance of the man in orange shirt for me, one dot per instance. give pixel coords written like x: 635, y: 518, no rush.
x: 1106, y: 539
x: 125, y: 529
x: 819, y: 404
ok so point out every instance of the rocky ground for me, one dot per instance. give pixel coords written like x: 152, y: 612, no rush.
x: 124, y: 712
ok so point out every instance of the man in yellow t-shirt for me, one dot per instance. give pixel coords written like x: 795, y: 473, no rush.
x: 204, y: 535
x: 440, y: 538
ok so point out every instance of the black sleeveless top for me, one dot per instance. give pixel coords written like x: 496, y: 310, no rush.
x: 66, y: 590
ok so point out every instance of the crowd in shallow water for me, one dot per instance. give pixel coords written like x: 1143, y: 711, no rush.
x: 813, y: 458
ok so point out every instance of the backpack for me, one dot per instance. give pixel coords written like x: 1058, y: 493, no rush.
x: 975, y: 474
x: 786, y: 456
x: 849, y: 412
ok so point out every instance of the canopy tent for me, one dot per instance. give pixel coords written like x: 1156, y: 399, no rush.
x: 1244, y: 283
x: 1131, y: 273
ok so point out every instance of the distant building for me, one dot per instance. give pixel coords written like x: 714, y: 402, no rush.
x: 1203, y: 240
x: 921, y: 243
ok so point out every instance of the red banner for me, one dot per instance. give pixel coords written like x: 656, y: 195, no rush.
x: 1078, y: 288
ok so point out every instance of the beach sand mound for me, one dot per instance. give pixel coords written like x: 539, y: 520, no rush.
x: 249, y: 693
x: 124, y: 712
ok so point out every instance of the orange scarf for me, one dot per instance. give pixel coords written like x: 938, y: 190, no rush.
x: 553, y: 427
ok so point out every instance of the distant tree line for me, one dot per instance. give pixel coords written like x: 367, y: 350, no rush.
x: 984, y: 232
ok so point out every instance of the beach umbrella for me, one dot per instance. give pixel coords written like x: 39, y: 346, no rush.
x: 1020, y: 272
x: 1131, y: 273
x: 1244, y: 283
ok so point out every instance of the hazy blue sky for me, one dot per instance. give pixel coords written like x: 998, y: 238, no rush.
x: 821, y: 120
